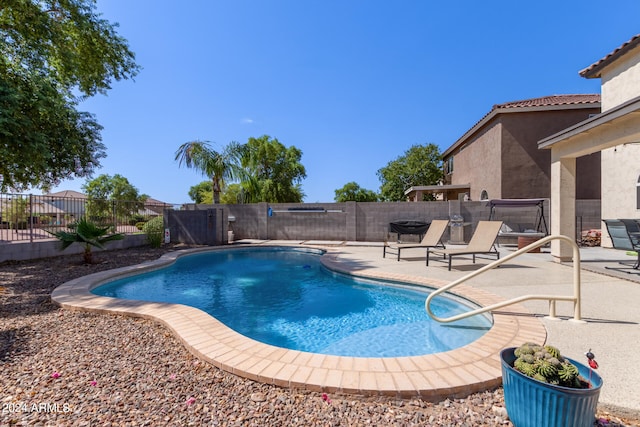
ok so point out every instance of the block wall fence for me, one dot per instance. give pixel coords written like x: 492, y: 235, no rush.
x: 24, y: 250
x: 369, y: 221
x: 350, y: 221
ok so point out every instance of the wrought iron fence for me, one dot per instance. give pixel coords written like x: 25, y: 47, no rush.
x: 31, y: 217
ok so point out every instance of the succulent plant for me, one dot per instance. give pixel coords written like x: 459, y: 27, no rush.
x: 546, y: 364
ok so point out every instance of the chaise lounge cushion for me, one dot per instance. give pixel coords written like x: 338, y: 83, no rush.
x: 517, y: 230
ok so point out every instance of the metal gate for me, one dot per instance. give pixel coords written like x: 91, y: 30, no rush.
x: 194, y: 227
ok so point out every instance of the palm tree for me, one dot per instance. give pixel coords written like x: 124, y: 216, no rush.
x: 88, y: 234
x: 219, y: 166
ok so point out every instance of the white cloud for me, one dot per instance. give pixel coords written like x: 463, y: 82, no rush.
x: 247, y: 120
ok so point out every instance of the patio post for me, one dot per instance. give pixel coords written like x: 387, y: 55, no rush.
x: 563, y: 203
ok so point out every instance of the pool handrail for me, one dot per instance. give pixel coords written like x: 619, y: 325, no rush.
x: 551, y: 298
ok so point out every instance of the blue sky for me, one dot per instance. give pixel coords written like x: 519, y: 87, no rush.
x: 352, y: 83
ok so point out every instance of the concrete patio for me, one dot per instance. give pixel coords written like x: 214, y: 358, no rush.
x: 609, y: 310
x: 610, y: 299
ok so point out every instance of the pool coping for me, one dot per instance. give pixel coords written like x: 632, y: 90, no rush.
x: 456, y: 373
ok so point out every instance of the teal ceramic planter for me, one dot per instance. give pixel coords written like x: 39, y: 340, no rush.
x: 532, y: 403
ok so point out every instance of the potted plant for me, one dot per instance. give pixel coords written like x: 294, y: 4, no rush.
x: 544, y: 389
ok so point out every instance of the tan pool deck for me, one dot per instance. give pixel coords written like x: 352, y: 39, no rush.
x: 610, y: 329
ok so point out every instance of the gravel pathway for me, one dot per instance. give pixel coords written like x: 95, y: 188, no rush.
x: 71, y: 368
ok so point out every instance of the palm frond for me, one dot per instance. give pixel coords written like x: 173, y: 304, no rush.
x: 86, y: 233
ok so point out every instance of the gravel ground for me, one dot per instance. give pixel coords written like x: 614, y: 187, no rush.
x: 61, y: 367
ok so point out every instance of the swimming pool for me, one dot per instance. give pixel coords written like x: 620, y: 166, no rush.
x: 456, y: 373
x: 286, y: 298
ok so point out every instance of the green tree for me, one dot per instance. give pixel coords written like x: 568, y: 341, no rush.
x: 43, y: 139
x: 420, y: 165
x: 15, y: 211
x: 112, y: 196
x: 232, y: 194
x: 273, y: 171
x: 352, y: 192
x: 219, y: 166
x: 88, y: 234
x: 202, y: 193
x: 52, y: 54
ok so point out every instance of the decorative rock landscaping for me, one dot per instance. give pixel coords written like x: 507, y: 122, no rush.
x: 72, y: 368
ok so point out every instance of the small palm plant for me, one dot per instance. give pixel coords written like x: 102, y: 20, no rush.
x: 87, y: 233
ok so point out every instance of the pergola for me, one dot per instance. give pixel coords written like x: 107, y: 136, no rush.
x: 617, y: 126
x: 416, y: 192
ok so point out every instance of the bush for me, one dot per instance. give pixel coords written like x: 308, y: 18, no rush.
x: 136, y: 219
x: 154, y: 229
x: 140, y: 225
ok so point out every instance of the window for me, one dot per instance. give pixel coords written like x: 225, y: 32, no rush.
x: 450, y: 165
x: 484, y: 195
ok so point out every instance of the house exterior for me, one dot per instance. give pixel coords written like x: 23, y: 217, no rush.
x: 615, y: 133
x: 74, y: 202
x: 71, y: 203
x: 498, y: 158
x: 155, y: 207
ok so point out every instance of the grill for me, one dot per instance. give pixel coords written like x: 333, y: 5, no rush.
x: 409, y: 227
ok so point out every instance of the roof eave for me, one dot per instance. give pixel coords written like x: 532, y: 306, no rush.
x: 495, y: 111
x: 437, y: 188
x: 630, y: 106
x: 595, y: 70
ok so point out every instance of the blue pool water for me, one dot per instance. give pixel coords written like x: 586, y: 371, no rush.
x: 286, y: 298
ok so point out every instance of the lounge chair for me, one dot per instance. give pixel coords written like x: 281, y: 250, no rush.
x: 625, y: 235
x: 632, y: 225
x: 432, y: 238
x: 482, y: 242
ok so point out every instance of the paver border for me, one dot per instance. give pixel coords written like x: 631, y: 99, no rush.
x: 452, y: 374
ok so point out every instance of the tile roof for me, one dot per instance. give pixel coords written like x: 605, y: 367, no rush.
x: 68, y: 193
x: 593, y: 70
x: 152, y: 201
x: 77, y: 195
x: 549, y: 101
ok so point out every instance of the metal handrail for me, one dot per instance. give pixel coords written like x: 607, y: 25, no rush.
x: 551, y: 298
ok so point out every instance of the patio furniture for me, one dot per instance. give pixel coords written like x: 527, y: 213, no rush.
x: 633, y: 226
x: 625, y: 235
x: 482, y: 242
x: 536, y: 230
x: 432, y: 238
x: 408, y: 227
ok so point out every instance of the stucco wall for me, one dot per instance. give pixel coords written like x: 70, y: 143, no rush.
x: 622, y: 169
x: 526, y: 170
x: 479, y: 162
x: 503, y: 158
x: 620, y: 164
x: 620, y: 80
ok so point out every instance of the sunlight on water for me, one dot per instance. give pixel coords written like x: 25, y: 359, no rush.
x: 287, y: 299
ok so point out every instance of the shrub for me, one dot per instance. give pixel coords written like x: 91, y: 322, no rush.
x: 136, y: 219
x: 140, y: 225
x: 87, y: 233
x: 154, y: 229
